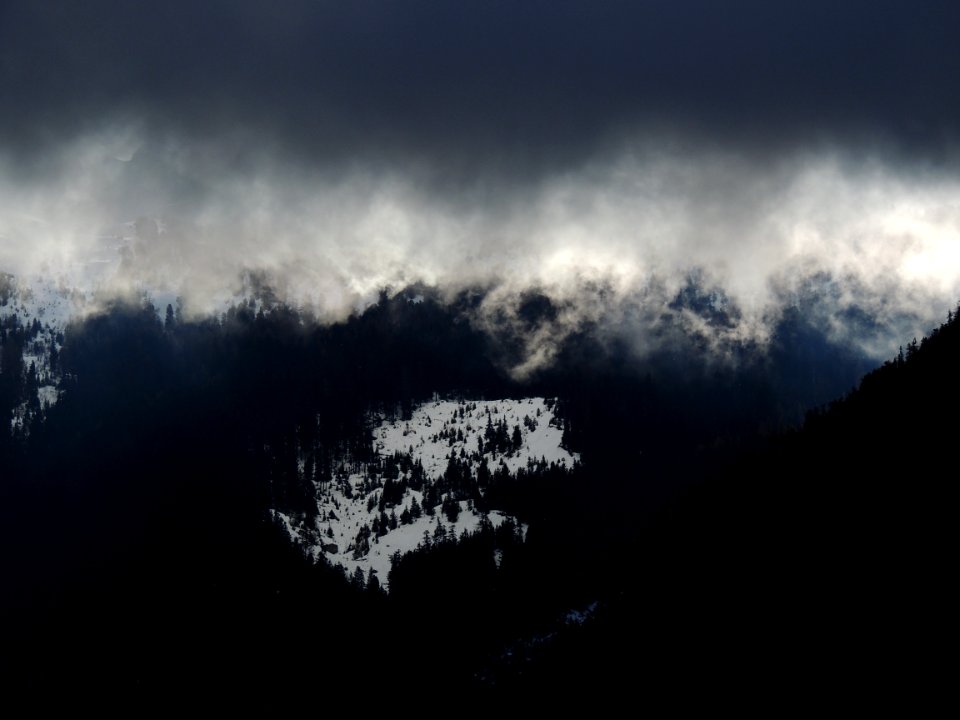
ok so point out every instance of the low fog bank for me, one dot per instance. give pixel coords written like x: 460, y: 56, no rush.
x: 638, y: 244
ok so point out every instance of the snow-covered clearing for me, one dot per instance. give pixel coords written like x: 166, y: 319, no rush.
x: 354, y: 528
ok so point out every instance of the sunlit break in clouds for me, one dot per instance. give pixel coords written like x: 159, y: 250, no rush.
x: 606, y: 159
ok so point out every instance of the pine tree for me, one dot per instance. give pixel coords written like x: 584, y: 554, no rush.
x: 451, y: 509
x: 357, y: 579
x: 54, y: 356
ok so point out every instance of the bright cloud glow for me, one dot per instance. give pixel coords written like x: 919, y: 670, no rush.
x: 624, y: 229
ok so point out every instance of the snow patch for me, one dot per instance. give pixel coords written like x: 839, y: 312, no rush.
x: 442, y: 428
x: 358, y: 527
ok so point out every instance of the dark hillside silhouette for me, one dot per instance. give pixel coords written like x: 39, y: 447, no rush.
x: 814, y: 566
x: 134, y: 512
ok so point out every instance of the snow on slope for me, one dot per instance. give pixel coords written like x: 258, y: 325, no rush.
x: 43, y: 307
x: 43, y: 299
x: 350, y: 504
x: 344, y: 518
x: 426, y: 434
x: 44, y: 304
x: 67, y: 291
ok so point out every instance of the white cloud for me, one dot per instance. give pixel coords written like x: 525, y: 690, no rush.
x: 634, y: 224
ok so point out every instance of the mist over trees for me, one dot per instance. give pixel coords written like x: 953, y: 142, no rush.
x: 134, y: 510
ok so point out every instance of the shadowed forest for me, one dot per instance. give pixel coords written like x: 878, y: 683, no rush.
x: 731, y: 524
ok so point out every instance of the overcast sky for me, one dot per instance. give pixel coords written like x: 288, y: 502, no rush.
x: 538, y: 84
x: 560, y: 145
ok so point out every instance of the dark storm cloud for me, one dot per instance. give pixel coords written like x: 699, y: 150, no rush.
x: 522, y: 83
x: 599, y: 154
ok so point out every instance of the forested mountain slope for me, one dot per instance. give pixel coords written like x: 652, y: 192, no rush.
x: 814, y: 568
x: 136, y: 509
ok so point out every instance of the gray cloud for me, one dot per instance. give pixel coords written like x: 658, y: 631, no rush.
x: 525, y: 88
x: 612, y: 243
x: 601, y: 155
